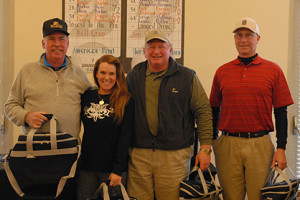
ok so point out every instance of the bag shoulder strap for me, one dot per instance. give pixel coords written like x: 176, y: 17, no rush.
x: 12, y: 179
x: 63, y: 180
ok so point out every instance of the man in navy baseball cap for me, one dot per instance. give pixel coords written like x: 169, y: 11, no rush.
x: 53, y: 85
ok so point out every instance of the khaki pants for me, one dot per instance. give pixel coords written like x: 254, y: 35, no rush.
x: 157, y: 173
x: 243, y: 165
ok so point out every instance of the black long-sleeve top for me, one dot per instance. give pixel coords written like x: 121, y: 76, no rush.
x: 105, y: 143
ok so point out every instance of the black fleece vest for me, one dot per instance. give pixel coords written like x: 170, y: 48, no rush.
x: 176, y: 123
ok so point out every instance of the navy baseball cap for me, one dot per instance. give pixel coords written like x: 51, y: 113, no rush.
x: 53, y: 25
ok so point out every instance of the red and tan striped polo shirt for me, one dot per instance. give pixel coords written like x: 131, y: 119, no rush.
x: 246, y: 95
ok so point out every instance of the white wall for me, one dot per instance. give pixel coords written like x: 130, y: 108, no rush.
x: 6, y: 68
x: 209, y: 39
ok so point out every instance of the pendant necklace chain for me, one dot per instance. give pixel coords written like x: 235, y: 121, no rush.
x: 101, y: 102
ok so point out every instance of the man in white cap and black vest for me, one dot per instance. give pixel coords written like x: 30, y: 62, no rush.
x: 243, y: 95
x: 52, y: 85
x: 169, y: 98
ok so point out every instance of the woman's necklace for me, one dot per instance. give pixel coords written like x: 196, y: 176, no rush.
x: 101, y: 102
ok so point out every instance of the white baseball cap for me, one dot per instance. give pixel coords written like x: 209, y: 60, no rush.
x: 248, y: 23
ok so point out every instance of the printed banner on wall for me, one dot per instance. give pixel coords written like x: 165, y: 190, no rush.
x: 95, y: 30
x: 145, y: 15
x: 98, y: 27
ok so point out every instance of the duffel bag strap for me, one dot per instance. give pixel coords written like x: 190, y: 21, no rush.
x: 12, y: 178
x: 271, y: 178
x: 203, y: 181
x: 214, y: 182
x: 72, y: 172
x: 201, y: 176
x: 286, y: 179
x: 103, y: 186
x: 29, y: 142
x: 53, y: 133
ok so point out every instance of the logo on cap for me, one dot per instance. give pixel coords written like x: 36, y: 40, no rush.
x: 244, y: 22
x: 56, y: 25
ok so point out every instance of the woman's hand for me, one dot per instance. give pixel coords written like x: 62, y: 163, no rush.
x: 114, y: 179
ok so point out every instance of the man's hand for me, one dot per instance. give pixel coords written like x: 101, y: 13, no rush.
x: 114, y: 179
x: 203, y: 158
x: 35, y: 119
x: 280, y: 159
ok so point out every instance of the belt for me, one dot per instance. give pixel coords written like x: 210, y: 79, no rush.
x: 246, y: 135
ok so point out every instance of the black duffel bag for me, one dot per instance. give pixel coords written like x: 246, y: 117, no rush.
x: 279, y: 187
x: 40, y: 164
x: 106, y: 192
x: 199, y: 188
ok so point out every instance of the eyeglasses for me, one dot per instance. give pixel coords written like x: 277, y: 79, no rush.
x: 247, y: 35
x: 160, y: 47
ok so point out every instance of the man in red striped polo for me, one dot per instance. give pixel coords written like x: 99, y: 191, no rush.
x: 243, y: 94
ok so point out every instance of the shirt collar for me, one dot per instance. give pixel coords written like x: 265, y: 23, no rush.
x: 150, y: 72
x: 256, y: 61
x: 57, y: 68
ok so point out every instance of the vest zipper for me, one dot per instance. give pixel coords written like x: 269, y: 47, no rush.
x: 153, y: 141
x: 57, y: 87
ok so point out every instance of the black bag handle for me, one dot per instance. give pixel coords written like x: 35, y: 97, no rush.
x: 104, y: 187
x: 49, y: 116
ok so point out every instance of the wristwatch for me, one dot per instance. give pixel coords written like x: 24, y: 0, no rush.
x: 208, y: 151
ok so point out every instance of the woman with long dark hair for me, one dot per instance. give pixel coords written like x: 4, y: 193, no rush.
x: 107, y: 115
